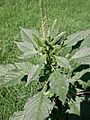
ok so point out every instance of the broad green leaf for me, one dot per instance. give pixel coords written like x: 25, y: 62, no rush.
x: 34, y: 73
x: 38, y: 59
x: 42, y: 59
x: 81, y: 53
x: 27, y: 35
x: 82, y: 56
x: 7, y: 72
x: 75, y: 106
x: 36, y: 108
x: 14, y: 73
x: 17, y: 116
x: 86, y: 42
x: 84, y: 60
x: 76, y: 37
x: 25, y: 46
x: 64, y: 51
x: 5, y: 68
x: 58, y: 84
x: 63, y: 62
x: 27, y: 49
x: 38, y: 40
x: 78, y: 75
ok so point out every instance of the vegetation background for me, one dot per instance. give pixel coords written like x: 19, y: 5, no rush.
x: 72, y: 15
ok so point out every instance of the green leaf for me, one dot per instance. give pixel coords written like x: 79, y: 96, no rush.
x: 76, y: 37
x: 88, y: 84
x: 38, y: 59
x: 5, y: 68
x: 75, y: 106
x: 86, y: 42
x: 78, y: 75
x: 58, y: 84
x: 54, y: 30
x: 27, y: 49
x: 8, y: 75
x: 17, y: 116
x: 27, y: 35
x: 37, y: 108
x: 12, y: 74
x: 62, y: 62
x: 34, y: 73
x: 56, y: 49
x: 82, y: 56
x: 38, y: 39
x: 42, y: 59
x: 58, y: 37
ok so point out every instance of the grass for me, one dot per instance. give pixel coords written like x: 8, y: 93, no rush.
x: 72, y: 15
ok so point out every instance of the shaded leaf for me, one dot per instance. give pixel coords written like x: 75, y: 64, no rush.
x: 58, y: 84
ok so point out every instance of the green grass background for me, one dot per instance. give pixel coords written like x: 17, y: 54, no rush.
x: 72, y: 15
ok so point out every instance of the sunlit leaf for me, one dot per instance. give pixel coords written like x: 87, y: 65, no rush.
x: 76, y: 37
x: 78, y: 75
x: 63, y: 62
x: 57, y: 37
x: 27, y: 49
x: 38, y: 40
x: 12, y: 74
x: 37, y: 108
x: 27, y: 35
x: 34, y: 73
x: 86, y: 42
x: 17, y: 116
x: 75, y: 106
x: 53, y: 28
x: 82, y: 56
x: 58, y: 85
